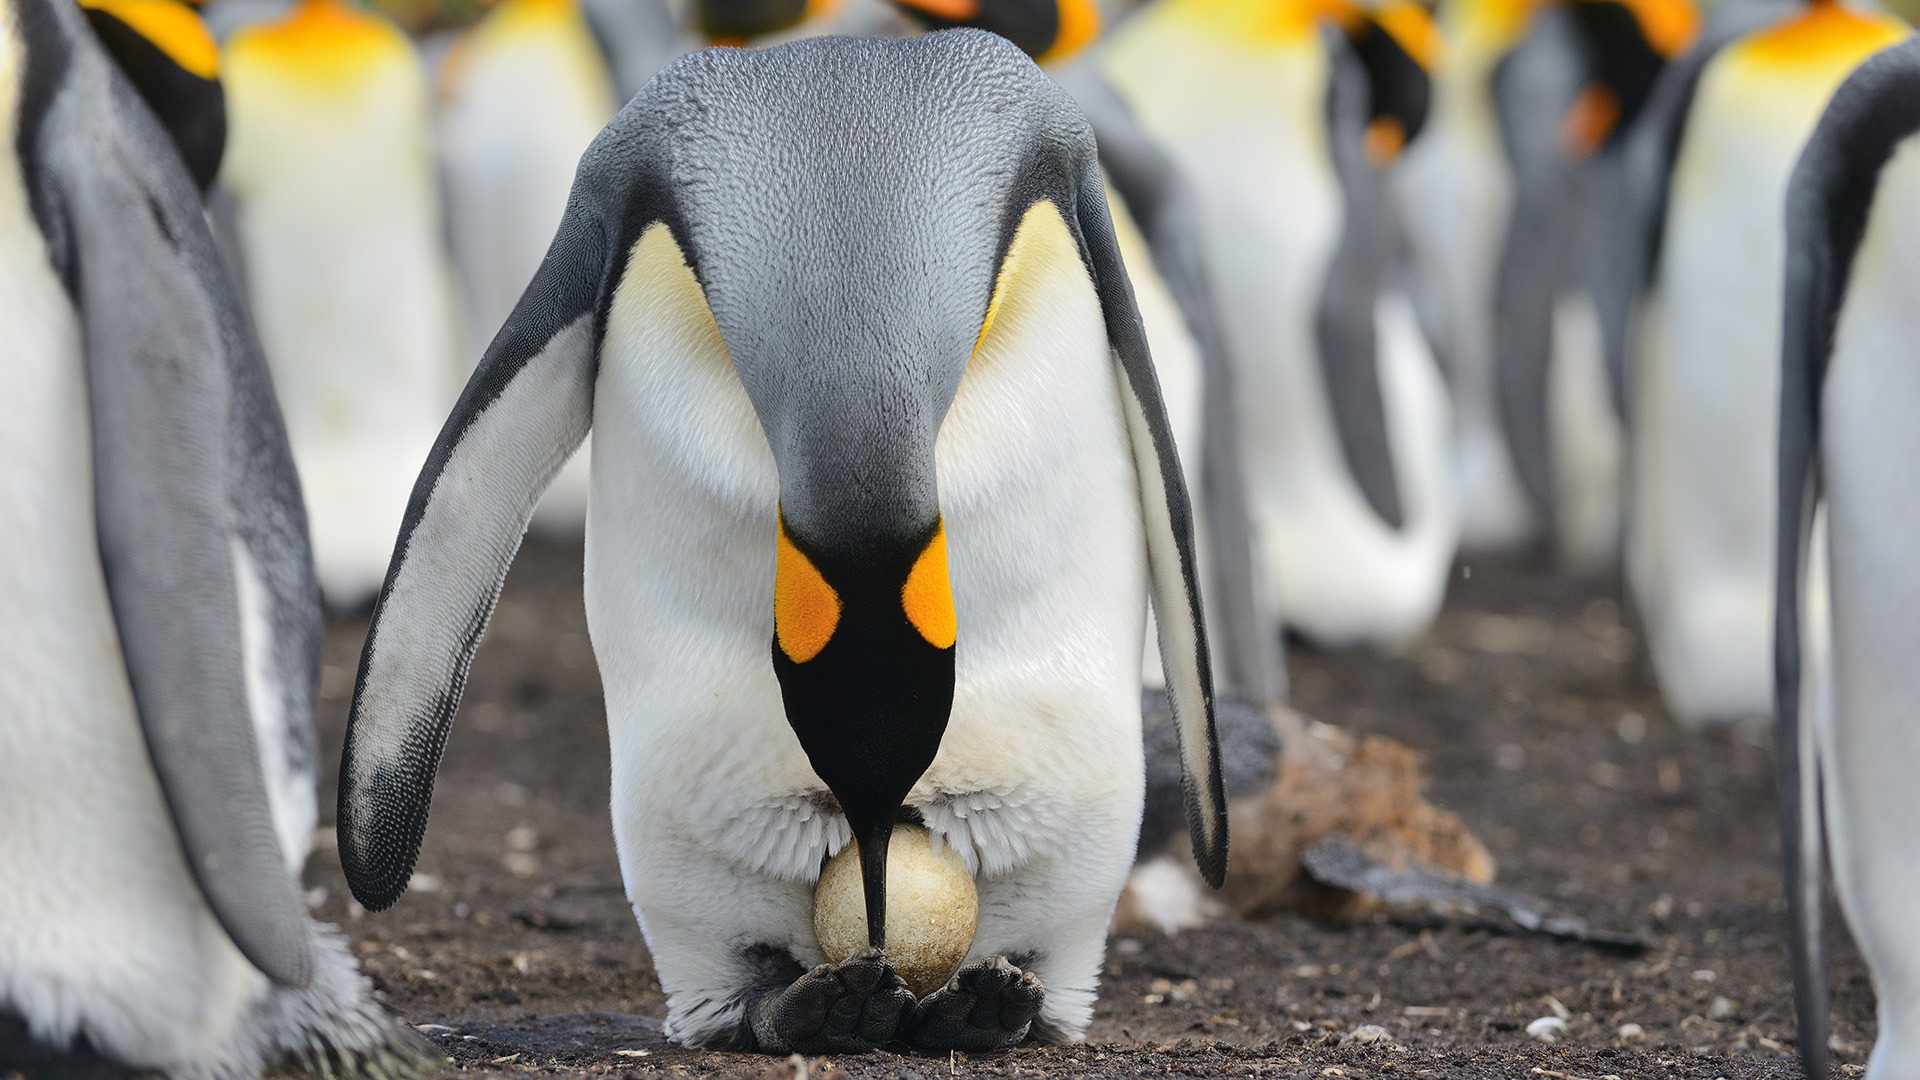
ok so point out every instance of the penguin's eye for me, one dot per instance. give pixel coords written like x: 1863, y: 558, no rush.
x: 928, y: 593
x: 806, y: 610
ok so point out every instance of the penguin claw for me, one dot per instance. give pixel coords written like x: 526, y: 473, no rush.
x: 985, y: 1006
x: 847, y: 1008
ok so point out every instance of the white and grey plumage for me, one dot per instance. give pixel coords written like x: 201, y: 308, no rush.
x: 158, y: 661
x: 843, y: 316
x: 1704, y: 382
x: 1849, y: 394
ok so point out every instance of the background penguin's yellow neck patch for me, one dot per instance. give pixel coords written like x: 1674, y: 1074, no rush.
x: 1826, y: 36
x: 1668, y: 25
x: 1078, y: 24
x: 173, y: 28
x: 322, y: 41
x: 806, y: 610
x: 928, y: 594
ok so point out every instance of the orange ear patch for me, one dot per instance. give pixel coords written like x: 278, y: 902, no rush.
x: 171, y: 27
x: 928, y: 594
x: 806, y: 610
x: 1079, y: 24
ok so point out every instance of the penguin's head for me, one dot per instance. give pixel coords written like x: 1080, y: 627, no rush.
x: 166, y: 52
x: 1625, y: 44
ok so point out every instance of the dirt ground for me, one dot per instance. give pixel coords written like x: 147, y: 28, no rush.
x: 1529, y: 703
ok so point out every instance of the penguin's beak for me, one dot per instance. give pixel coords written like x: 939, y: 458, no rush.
x: 864, y: 634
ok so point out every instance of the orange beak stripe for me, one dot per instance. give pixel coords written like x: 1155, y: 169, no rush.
x: 806, y: 610
x: 928, y: 594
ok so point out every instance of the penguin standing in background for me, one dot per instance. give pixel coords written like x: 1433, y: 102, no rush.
x: 1566, y: 96
x: 336, y: 204
x: 522, y: 94
x: 159, y: 662
x: 1283, y: 129
x: 882, y: 483
x: 1849, y: 392
x: 1503, y: 197
x: 1705, y: 382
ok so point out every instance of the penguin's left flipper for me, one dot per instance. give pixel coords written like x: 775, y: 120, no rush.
x: 164, y: 347
x: 853, y: 1007
x: 987, y: 1005
x: 1167, y: 515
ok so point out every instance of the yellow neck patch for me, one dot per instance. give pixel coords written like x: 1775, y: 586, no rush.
x: 1826, y: 34
x: 806, y: 610
x: 1041, y: 247
x: 928, y: 594
x: 323, y: 41
x: 173, y: 28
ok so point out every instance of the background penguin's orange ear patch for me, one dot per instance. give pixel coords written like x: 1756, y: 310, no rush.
x: 806, y: 610
x: 928, y: 594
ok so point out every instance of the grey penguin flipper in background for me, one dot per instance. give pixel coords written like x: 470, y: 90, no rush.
x: 770, y: 374
x: 149, y: 907
x: 1245, y: 638
x: 1363, y: 265
x: 1848, y: 393
x: 1635, y: 209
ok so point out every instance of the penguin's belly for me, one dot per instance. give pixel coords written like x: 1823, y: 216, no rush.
x: 1047, y: 561
x: 102, y: 931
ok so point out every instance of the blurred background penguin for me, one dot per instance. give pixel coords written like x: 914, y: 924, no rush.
x: 1283, y: 118
x: 336, y: 207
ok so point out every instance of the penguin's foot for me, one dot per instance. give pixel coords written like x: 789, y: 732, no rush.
x: 985, y: 1006
x: 846, y: 1008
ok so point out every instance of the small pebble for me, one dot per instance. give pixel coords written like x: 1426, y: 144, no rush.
x: 1720, y: 1009
x: 1371, y: 1033
x: 433, y: 1030
x: 1547, y: 1029
x: 1631, y: 1031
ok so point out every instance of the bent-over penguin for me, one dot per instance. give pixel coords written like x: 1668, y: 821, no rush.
x: 1849, y: 392
x: 337, y: 209
x: 882, y: 482
x: 159, y: 659
x: 1705, y: 380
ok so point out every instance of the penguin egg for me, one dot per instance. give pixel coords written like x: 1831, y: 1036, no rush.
x: 932, y: 909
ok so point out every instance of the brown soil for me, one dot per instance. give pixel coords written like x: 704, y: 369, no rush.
x: 1528, y: 704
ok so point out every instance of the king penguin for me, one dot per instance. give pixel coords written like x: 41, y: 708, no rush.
x: 1849, y: 392
x: 337, y: 206
x: 159, y: 659
x: 1283, y: 127
x: 1704, y: 382
x: 882, y: 484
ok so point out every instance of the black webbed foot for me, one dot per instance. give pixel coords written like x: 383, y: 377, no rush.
x: 846, y: 1008
x: 985, y: 1006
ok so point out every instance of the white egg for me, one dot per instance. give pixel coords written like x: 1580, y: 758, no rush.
x: 932, y: 908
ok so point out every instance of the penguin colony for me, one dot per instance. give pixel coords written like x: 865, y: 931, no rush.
x: 939, y: 402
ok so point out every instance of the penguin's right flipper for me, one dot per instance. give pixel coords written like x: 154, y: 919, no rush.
x: 162, y: 337
x: 524, y: 412
x: 1828, y: 199
x: 1167, y: 515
